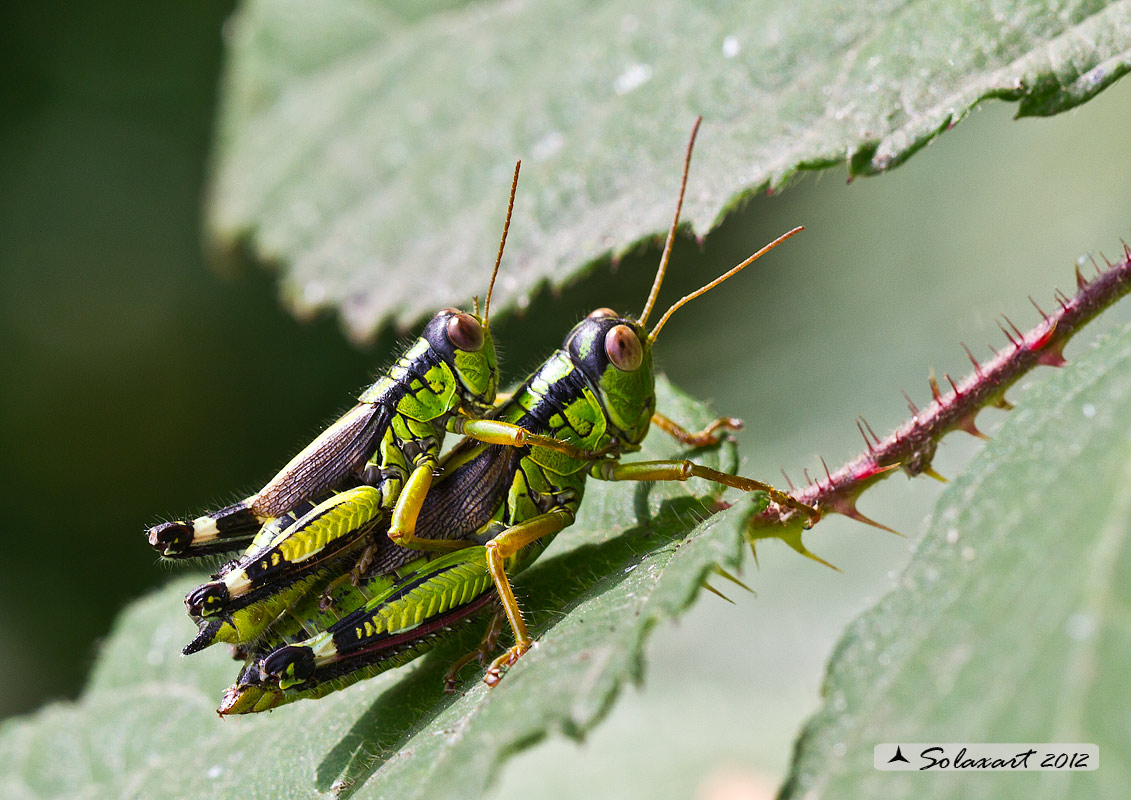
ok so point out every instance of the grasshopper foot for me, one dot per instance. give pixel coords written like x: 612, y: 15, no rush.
x: 364, y: 562
x: 507, y: 659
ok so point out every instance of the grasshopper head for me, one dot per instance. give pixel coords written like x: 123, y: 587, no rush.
x: 464, y: 342
x: 614, y: 354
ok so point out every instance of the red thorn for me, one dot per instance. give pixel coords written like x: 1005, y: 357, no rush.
x: 1043, y: 340
x: 1040, y: 310
x: 808, y: 480
x: 792, y: 488
x: 1060, y: 298
x: 1053, y: 357
x: 1016, y: 330
x: 1081, y: 281
x: 1109, y: 264
x: 873, y: 471
x: 935, y: 393
x: 974, y: 361
x: 1126, y: 249
x: 869, y: 427
x: 953, y: 385
x: 967, y: 424
x: 1099, y: 271
x: 828, y: 474
x: 1008, y: 335
x: 848, y: 509
x: 867, y: 441
x: 914, y: 410
x: 992, y: 348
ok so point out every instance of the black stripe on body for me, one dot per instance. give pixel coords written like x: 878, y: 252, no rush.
x: 335, y: 563
x: 261, y: 568
x: 234, y: 520
x: 345, y: 630
x: 417, y: 368
x: 390, y: 645
x: 559, y: 395
x: 217, y: 547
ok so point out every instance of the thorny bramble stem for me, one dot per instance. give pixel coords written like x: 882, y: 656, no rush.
x: 911, y: 447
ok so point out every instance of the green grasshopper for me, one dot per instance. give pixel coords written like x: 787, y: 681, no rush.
x: 402, y: 605
x: 596, y: 393
x: 382, y: 455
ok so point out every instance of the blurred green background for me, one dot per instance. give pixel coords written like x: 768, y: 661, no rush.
x: 139, y: 384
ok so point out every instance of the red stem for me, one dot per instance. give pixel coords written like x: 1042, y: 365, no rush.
x: 911, y: 447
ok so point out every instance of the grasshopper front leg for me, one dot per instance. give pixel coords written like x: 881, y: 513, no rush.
x: 708, y: 436
x: 682, y: 470
x: 402, y: 527
x: 325, y: 530
x: 493, y: 431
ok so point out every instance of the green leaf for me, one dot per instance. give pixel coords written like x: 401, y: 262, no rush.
x: 635, y: 557
x: 366, y: 148
x: 1011, y: 622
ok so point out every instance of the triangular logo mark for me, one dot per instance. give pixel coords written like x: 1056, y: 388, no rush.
x: 898, y: 757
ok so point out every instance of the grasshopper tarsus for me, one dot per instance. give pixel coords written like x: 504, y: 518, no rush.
x: 706, y: 437
x: 507, y: 660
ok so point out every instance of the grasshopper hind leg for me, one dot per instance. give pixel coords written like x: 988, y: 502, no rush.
x: 333, y: 526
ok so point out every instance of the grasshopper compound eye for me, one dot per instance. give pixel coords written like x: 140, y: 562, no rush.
x: 623, y: 348
x: 465, y: 332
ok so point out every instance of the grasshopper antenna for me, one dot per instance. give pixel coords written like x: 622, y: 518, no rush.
x: 502, y: 244
x: 671, y: 231
x: 729, y: 274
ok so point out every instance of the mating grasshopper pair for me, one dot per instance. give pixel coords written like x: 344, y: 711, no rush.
x: 504, y: 492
